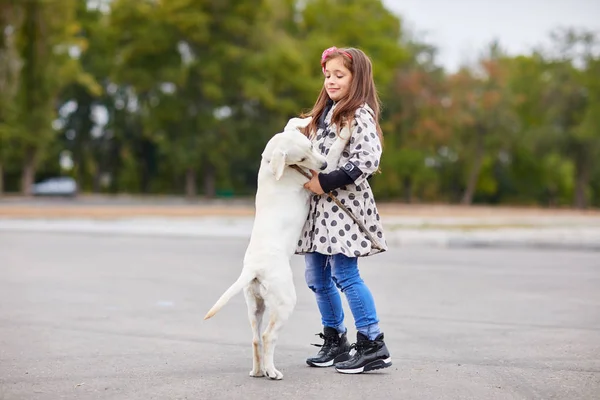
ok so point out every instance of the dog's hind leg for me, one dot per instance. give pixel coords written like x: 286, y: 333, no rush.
x: 256, y: 310
x: 279, y: 313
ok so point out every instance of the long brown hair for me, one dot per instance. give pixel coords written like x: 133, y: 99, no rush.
x: 362, y: 90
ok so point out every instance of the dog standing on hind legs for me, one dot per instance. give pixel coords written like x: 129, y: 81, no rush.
x: 281, y: 206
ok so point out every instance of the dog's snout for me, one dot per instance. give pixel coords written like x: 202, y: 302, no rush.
x: 324, y: 165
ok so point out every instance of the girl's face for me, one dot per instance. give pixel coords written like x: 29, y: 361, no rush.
x: 337, y: 79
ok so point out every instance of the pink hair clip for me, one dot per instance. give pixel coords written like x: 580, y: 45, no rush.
x: 328, y: 52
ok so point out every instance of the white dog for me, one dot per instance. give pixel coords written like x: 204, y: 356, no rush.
x: 282, y: 206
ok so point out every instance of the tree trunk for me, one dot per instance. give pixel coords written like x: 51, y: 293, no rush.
x: 407, y: 184
x: 210, y: 182
x: 28, y: 174
x: 581, y: 184
x: 474, y: 175
x: 96, y: 181
x: 190, y: 183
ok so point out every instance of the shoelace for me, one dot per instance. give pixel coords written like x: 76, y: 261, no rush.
x: 328, y: 340
x: 362, y: 345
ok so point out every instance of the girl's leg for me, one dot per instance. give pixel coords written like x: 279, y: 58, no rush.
x: 347, y: 277
x: 318, y: 278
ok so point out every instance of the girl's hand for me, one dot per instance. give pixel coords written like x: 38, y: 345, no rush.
x: 313, y: 185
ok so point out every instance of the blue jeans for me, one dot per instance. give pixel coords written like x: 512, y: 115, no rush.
x: 324, y: 275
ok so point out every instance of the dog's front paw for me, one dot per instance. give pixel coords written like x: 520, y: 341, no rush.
x: 257, y: 373
x: 273, y: 373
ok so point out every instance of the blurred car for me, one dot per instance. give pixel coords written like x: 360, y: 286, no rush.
x: 59, y: 186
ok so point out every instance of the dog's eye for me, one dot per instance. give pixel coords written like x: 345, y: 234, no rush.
x: 303, y: 159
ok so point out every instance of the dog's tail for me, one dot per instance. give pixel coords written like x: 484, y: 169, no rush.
x: 244, y: 279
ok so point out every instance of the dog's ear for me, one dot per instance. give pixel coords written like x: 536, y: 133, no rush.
x: 277, y: 162
x: 295, y: 123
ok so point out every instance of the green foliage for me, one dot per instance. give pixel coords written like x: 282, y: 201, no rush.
x: 365, y: 24
x: 38, y: 37
x: 180, y: 96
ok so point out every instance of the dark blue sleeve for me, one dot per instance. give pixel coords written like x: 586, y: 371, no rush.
x: 340, y: 177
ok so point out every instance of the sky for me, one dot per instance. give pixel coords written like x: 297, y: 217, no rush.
x: 461, y: 29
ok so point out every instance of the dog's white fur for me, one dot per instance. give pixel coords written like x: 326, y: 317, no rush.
x: 282, y: 206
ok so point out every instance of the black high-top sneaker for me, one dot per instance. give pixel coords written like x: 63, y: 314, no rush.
x: 335, y: 349
x: 369, y: 355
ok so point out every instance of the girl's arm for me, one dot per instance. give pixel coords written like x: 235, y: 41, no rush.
x: 364, y: 152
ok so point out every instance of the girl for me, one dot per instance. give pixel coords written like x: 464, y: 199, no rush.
x: 331, y: 240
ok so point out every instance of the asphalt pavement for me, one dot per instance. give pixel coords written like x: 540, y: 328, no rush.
x: 106, y: 316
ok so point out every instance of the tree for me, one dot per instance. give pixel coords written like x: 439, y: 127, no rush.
x: 365, y: 24
x: 46, y: 40
x: 483, y: 111
x: 10, y: 66
x: 190, y: 57
x: 572, y: 100
x: 415, y: 124
x: 89, y: 142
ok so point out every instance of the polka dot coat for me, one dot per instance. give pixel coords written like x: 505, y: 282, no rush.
x: 328, y: 229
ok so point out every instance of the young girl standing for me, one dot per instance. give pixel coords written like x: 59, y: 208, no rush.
x: 331, y: 241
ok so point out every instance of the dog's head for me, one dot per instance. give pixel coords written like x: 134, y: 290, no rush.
x: 292, y: 147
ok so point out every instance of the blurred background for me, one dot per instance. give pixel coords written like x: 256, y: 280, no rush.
x: 153, y: 114
x: 487, y: 104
